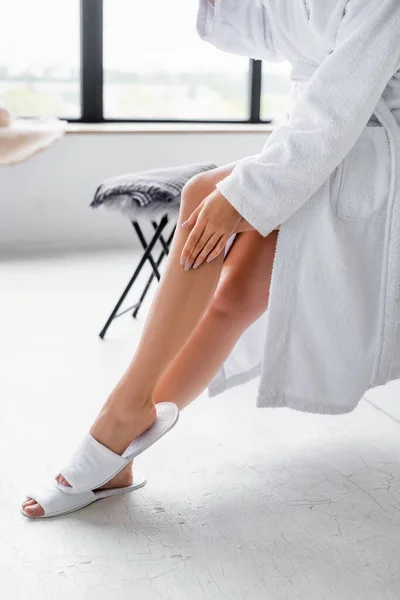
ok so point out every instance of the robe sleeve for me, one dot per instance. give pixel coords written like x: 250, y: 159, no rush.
x: 240, y: 27
x: 326, y: 121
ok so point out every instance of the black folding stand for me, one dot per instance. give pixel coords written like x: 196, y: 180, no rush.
x: 147, y: 256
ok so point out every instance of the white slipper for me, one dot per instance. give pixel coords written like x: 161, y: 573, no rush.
x: 93, y: 464
x: 55, y: 503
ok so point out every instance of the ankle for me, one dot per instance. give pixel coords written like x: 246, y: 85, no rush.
x: 125, y: 412
x: 124, y: 401
x: 111, y: 421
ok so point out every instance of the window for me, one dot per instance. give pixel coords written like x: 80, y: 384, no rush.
x: 39, y: 57
x: 276, y: 85
x: 135, y: 61
x: 156, y: 66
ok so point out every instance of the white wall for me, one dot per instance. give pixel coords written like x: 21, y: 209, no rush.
x: 44, y: 201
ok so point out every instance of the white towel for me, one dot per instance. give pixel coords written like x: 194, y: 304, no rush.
x: 22, y: 138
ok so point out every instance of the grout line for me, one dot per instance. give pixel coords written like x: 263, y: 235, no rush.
x: 381, y: 410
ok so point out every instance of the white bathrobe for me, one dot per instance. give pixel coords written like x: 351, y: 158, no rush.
x: 330, y: 177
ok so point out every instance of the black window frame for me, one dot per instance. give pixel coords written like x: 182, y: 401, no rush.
x: 92, y: 76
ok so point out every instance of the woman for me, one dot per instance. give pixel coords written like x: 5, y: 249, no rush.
x: 328, y: 182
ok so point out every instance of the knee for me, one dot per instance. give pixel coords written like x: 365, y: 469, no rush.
x: 239, y: 305
x: 195, y: 190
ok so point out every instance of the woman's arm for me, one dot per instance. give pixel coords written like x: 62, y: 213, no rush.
x: 326, y: 121
x: 242, y: 27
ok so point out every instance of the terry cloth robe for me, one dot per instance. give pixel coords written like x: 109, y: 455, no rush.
x: 330, y: 178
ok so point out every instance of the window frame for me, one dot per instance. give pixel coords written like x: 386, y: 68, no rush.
x: 92, y: 76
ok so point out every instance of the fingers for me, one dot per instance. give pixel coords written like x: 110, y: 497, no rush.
x: 220, y: 247
x: 194, y: 236
x: 192, y: 240
x: 212, y: 224
x: 191, y: 221
x: 194, y: 245
x: 209, y: 247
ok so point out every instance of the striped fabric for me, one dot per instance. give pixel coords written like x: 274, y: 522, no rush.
x: 148, y: 193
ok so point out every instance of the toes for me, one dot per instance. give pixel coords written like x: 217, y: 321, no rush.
x: 28, y: 502
x: 34, y: 510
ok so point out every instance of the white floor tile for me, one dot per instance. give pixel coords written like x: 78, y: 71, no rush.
x: 241, y: 503
x: 386, y: 398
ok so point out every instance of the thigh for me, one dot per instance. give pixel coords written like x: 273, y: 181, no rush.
x: 200, y: 186
x: 243, y: 288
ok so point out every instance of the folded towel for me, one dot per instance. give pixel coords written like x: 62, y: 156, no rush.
x: 147, y: 193
x: 21, y: 138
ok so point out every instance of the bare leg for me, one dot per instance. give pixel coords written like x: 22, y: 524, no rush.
x: 241, y: 297
x: 181, y: 302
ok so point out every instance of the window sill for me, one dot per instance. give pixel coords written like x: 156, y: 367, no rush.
x: 144, y: 128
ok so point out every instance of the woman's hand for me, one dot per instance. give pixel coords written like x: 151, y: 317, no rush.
x: 213, y: 222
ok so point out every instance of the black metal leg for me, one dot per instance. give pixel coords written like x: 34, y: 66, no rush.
x: 164, y: 252
x: 145, y: 246
x: 165, y: 244
x: 145, y: 257
x: 154, y: 265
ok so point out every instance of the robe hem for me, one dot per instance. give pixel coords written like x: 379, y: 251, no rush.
x: 221, y: 383
x: 302, y: 405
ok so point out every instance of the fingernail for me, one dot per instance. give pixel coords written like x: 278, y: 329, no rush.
x: 184, y: 224
x: 187, y: 266
x: 196, y: 264
x: 210, y: 258
x: 182, y: 260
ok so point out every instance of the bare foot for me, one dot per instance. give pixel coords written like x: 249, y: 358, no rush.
x: 123, y: 479
x: 115, y: 428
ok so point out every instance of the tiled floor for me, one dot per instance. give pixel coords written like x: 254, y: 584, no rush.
x: 241, y: 503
